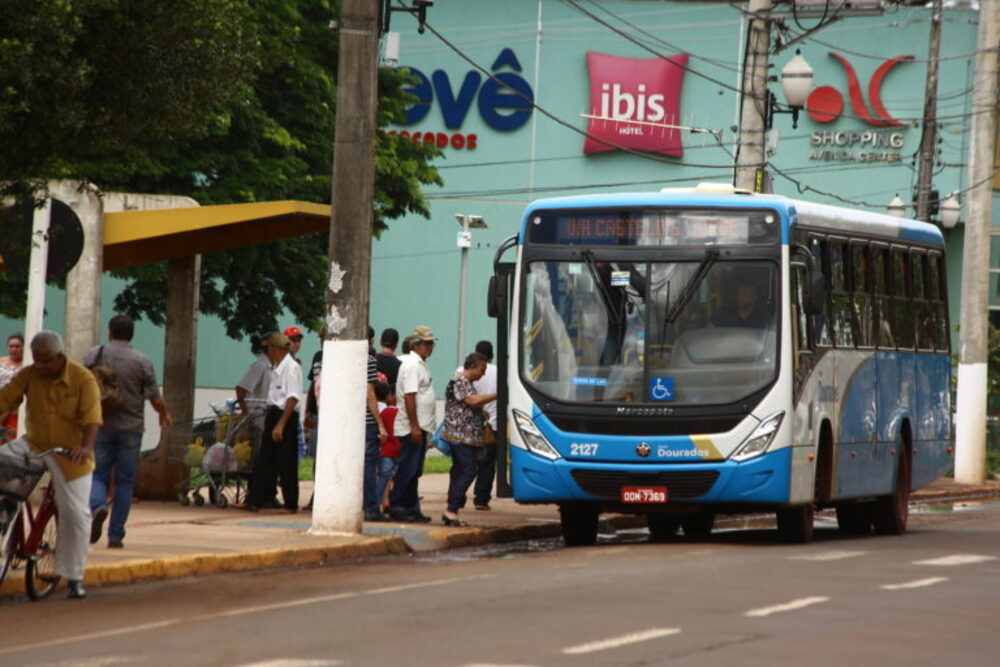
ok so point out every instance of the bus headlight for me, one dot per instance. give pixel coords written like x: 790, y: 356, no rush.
x: 532, y: 437
x: 758, y: 441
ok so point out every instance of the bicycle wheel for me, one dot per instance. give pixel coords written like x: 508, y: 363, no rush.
x: 9, y: 516
x: 40, y: 578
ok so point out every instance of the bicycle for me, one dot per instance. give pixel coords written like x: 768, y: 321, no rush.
x: 37, y: 546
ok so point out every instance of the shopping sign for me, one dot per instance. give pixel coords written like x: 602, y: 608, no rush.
x: 635, y: 104
x: 825, y: 104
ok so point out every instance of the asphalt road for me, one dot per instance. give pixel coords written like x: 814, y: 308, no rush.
x: 930, y: 597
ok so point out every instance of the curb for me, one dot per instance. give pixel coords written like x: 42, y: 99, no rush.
x: 176, y: 567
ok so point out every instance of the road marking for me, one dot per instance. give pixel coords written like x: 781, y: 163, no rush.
x: 624, y: 640
x: 919, y: 583
x: 157, y: 625
x: 829, y: 555
x: 787, y: 606
x: 956, y: 559
x: 293, y: 662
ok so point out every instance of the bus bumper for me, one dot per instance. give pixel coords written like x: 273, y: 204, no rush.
x: 764, y: 480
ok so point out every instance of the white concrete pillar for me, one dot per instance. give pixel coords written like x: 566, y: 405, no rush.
x: 83, y: 282
x: 340, y: 448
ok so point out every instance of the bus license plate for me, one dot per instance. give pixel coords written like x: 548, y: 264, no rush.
x: 644, y: 494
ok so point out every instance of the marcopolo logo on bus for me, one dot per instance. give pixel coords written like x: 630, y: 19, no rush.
x: 634, y: 103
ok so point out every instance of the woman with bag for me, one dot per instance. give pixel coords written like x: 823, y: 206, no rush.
x: 464, y: 423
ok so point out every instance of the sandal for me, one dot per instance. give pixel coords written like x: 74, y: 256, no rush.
x: 453, y: 522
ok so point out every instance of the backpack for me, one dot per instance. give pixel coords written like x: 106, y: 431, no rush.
x: 107, y: 383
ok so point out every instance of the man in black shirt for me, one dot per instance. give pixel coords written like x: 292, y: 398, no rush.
x: 386, y: 361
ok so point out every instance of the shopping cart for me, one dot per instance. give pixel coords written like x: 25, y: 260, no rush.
x: 219, y: 455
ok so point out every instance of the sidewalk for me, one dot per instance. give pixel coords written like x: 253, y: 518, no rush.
x: 166, y: 540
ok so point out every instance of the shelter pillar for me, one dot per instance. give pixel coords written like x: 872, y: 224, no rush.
x: 83, y: 282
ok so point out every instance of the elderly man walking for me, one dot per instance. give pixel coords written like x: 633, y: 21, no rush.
x: 64, y: 410
x: 119, y: 441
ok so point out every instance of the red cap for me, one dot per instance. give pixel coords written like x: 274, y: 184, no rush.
x: 292, y: 331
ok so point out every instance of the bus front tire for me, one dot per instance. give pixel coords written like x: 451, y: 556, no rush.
x: 579, y: 525
x: 795, y: 524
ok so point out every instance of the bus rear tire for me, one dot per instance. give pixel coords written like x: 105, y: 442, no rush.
x: 891, y: 513
x: 795, y: 524
x: 579, y: 525
x: 662, y: 527
x: 854, y: 519
x: 698, y: 526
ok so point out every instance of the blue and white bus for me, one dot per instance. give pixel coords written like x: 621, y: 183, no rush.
x: 691, y: 352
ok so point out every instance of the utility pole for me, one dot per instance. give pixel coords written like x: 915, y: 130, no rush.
x: 753, y: 101
x: 340, y: 446
x: 928, y: 137
x: 970, y: 417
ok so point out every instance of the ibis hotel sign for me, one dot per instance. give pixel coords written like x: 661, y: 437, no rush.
x: 634, y: 104
x: 879, y: 139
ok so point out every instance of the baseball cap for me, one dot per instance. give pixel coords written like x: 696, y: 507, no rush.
x: 293, y: 331
x: 423, y: 333
x: 279, y: 340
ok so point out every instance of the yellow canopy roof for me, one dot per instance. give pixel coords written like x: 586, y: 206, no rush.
x: 132, y: 238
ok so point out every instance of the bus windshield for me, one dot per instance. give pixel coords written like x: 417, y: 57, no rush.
x: 684, y: 333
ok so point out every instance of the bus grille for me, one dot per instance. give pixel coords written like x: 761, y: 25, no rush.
x: 679, y: 483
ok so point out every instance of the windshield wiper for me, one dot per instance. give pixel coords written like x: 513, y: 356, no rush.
x: 617, y: 314
x: 691, y: 287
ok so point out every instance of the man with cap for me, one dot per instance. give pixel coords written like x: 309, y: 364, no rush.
x: 295, y: 336
x: 414, y: 421
x: 276, y: 458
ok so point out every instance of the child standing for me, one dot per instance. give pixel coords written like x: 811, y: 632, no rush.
x: 389, y: 452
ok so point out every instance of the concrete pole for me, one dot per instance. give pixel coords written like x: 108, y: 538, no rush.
x: 341, y: 435
x: 928, y: 136
x: 38, y: 260
x: 970, y: 417
x: 83, y: 282
x: 161, y: 470
x: 753, y: 103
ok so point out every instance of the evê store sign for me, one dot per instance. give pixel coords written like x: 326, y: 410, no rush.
x: 881, y: 141
x: 504, y: 102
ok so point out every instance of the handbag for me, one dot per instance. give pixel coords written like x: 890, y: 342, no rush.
x: 489, y: 435
x: 439, y: 442
x: 107, y: 384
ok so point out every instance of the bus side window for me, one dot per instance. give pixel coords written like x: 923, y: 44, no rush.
x: 840, y: 300
x: 883, y: 302
x: 861, y: 294
x: 937, y: 296
x: 822, y: 323
x: 925, y: 330
x: 902, y: 302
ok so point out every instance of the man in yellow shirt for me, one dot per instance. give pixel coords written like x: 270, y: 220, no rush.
x: 64, y: 410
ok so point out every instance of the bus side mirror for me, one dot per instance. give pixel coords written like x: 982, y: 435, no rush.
x: 492, y: 292
x: 816, y: 298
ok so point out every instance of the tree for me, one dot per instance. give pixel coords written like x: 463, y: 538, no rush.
x: 93, y: 89
x: 272, y: 141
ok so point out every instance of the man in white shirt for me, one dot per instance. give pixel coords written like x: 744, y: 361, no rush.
x: 277, y: 455
x: 255, y: 382
x: 415, y: 420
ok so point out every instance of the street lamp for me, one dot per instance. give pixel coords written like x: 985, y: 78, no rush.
x: 796, y: 82
x: 896, y: 207
x: 464, y: 242
x: 950, y: 210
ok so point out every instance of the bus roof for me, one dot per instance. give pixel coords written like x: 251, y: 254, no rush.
x: 824, y: 217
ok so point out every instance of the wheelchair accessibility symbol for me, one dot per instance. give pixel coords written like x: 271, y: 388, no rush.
x: 661, y: 389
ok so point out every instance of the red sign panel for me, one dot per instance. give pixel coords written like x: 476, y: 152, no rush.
x: 634, y: 102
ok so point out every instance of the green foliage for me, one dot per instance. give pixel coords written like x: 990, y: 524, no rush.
x: 437, y: 464
x: 245, y: 111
